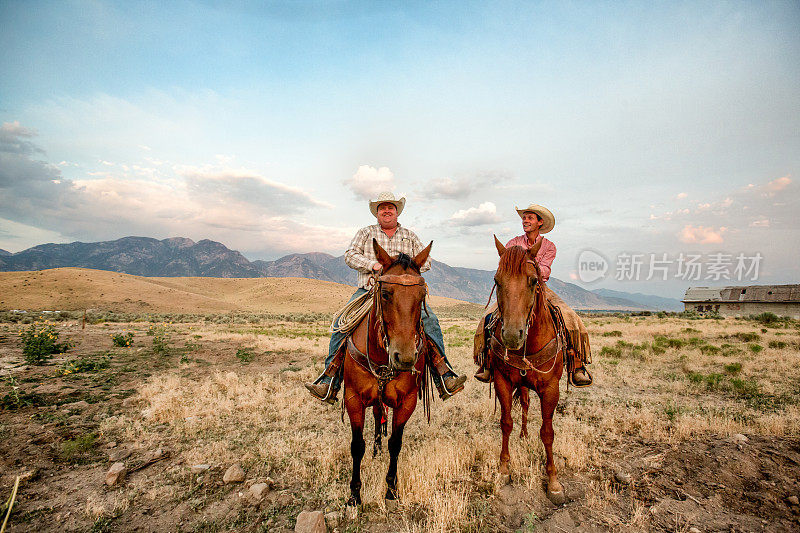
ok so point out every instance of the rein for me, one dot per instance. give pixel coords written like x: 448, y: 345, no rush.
x: 385, y: 373
x: 539, y: 293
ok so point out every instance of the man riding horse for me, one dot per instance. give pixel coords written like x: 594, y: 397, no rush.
x: 537, y: 220
x: 360, y: 256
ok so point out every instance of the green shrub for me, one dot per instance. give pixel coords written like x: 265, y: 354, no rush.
x: 747, y: 337
x: 244, y: 355
x: 122, y: 340
x: 710, y: 349
x: 615, y: 333
x: 744, y: 387
x: 733, y: 368
x: 40, y: 342
x: 767, y: 318
x: 778, y: 344
x: 160, y: 339
x: 611, y: 351
x: 74, y: 366
x: 74, y: 450
x: 755, y: 348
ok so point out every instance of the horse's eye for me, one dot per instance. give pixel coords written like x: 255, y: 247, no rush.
x: 386, y: 295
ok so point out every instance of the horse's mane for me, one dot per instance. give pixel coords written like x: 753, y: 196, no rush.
x: 405, y: 261
x: 512, y: 262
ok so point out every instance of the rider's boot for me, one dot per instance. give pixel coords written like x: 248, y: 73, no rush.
x: 484, y: 373
x: 449, y: 382
x: 326, y: 386
x: 579, y: 377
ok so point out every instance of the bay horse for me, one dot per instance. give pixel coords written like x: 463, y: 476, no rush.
x: 526, y: 351
x: 385, y: 361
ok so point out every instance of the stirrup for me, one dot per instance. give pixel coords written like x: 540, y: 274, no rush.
x: 570, y: 376
x: 445, y: 393
x: 484, y: 377
x: 330, y: 393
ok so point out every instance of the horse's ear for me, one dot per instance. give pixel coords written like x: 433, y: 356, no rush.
x: 380, y: 253
x: 421, y: 257
x: 533, y: 250
x: 499, y: 245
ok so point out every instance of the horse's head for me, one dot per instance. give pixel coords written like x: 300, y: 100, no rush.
x: 516, y: 279
x: 401, y: 291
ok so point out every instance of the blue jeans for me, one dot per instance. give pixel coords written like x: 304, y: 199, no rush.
x: 430, y: 323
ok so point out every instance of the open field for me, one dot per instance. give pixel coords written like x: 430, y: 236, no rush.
x: 76, y: 289
x: 652, y: 445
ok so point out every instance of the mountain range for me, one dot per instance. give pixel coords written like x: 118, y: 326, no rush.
x: 181, y: 257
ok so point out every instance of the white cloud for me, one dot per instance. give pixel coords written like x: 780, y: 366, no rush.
x: 446, y: 188
x: 369, y: 181
x: 762, y: 222
x: 681, y: 196
x: 701, y: 234
x: 778, y: 184
x: 238, y: 207
x: 485, y: 213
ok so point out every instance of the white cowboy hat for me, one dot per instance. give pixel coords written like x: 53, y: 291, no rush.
x: 387, y: 198
x: 549, y: 221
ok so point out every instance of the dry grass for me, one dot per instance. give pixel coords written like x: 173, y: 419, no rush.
x: 664, y: 391
x: 657, y: 380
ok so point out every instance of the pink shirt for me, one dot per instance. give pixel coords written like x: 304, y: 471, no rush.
x: 545, y: 256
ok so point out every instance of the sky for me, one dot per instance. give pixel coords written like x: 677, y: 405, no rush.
x: 654, y: 131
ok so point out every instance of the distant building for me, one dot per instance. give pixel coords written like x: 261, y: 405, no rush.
x: 782, y: 300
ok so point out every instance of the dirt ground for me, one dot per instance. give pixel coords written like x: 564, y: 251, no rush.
x: 673, y: 435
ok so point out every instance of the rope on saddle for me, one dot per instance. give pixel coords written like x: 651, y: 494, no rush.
x: 351, y: 315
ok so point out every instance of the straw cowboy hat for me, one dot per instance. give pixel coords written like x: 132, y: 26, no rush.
x: 549, y: 221
x: 387, y: 198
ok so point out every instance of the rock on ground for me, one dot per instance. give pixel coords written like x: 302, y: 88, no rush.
x: 310, y: 522
x: 116, y: 474
x: 199, y: 469
x: 234, y: 474
x: 258, y: 491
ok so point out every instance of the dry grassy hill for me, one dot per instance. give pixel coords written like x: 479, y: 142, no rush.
x: 71, y: 289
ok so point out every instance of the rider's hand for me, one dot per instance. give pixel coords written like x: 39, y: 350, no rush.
x: 377, y: 267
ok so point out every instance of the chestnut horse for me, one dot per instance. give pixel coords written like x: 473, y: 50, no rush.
x: 526, y: 351
x: 385, y: 360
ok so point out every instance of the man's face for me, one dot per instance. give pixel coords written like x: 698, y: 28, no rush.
x: 531, y: 222
x: 387, y: 215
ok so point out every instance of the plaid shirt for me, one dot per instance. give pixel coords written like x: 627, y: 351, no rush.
x: 360, y: 256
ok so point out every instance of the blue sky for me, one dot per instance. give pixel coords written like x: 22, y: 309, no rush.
x: 645, y: 127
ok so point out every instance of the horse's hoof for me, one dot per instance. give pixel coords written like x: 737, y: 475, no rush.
x: 391, y: 505
x: 503, y: 479
x: 353, y: 502
x: 351, y: 510
x: 558, y: 497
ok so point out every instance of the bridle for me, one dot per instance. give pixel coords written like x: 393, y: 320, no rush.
x: 537, y: 293
x: 387, y: 372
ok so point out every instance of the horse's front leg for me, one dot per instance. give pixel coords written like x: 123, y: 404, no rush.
x: 400, y: 416
x: 549, y: 399
x: 503, y: 389
x: 524, y: 402
x: 377, y: 411
x: 355, y: 410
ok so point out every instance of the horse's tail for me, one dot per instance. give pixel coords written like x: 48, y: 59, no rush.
x: 517, y: 397
x: 515, y: 401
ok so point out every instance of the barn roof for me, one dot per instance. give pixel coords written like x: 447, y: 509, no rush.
x: 744, y: 293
